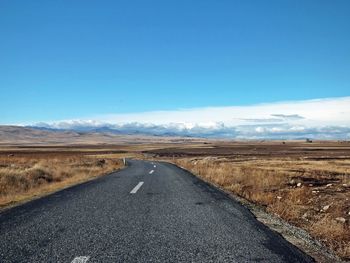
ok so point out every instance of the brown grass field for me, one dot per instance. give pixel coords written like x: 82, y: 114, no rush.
x: 306, y: 184
x: 33, y: 173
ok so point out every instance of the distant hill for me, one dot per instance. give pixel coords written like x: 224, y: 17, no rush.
x: 18, y: 135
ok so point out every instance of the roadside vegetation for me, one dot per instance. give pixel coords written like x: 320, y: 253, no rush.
x: 311, y: 194
x: 306, y: 184
x: 30, y: 175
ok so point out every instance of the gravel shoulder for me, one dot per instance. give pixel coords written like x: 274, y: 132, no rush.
x: 295, y: 235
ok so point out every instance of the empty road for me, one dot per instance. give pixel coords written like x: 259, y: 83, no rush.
x: 148, y: 212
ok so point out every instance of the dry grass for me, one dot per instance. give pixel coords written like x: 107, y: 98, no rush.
x: 23, y: 177
x: 296, y: 190
x: 267, y: 173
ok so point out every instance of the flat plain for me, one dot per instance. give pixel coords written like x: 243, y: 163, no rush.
x: 305, y: 183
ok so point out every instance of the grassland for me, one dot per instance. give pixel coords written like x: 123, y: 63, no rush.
x: 25, y: 175
x: 307, y: 185
x: 29, y: 171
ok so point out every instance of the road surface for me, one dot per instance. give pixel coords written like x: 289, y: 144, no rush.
x: 148, y: 212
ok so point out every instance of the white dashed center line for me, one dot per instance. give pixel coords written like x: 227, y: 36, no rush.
x: 136, y: 188
x: 151, y: 172
x: 82, y: 259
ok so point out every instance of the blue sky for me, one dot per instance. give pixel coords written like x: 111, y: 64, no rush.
x: 76, y: 59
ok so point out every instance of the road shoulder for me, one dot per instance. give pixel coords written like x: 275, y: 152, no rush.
x: 295, y: 235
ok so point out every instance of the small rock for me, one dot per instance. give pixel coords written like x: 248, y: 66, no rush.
x: 292, y: 182
x: 279, y: 197
x: 311, y: 185
x: 328, y: 185
x: 341, y: 219
x: 101, y: 162
x: 315, y: 191
x: 345, y: 185
x: 305, y: 215
x: 349, y: 213
x: 325, y: 208
x: 298, y: 184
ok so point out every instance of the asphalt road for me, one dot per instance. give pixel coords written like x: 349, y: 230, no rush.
x: 136, y: 215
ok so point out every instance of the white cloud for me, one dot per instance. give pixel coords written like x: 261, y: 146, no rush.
x: 319, y: 118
